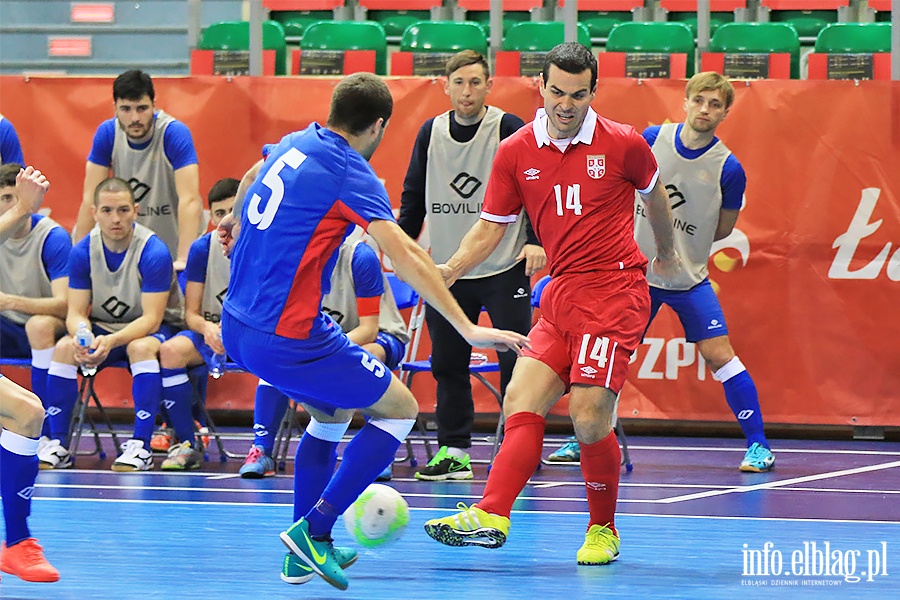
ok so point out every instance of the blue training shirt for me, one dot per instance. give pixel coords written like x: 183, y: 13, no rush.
x: 154, y: 266
x: 198, y: 258
x: 10, y: 147
x: 366, y: 268
x: 310, y: 190
x: 178, y: 144
x: 55, y: 253
x: 733, y: 181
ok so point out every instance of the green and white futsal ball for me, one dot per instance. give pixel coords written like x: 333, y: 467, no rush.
x: 379, y: 516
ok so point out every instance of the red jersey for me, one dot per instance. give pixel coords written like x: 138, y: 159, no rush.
x: 581, y: 201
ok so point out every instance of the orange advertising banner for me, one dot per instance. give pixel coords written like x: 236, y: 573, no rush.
x: 809, y: 280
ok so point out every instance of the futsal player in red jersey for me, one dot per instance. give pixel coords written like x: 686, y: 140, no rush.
x: 575, y: 173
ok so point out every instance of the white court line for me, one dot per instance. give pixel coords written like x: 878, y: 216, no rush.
x: 777, y: 450
x: 777, y: 484
x: 225, y: 476
x: 542, y: 512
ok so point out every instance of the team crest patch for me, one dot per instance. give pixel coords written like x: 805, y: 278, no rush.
x: 596, y: 165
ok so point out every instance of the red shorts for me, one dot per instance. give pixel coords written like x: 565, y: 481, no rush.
x: 590, y: 325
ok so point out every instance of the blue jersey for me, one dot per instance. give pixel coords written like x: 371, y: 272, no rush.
x: 733, y: 181
x: 311, y: 190
x: 198, y: 258
x: 10, y: 147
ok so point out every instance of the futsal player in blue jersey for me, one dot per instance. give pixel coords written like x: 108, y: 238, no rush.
x: 21, y: 416
x: 314, y: 186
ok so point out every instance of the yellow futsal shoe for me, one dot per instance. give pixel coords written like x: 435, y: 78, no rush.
x: 471, y: 527
x: 601, y: 546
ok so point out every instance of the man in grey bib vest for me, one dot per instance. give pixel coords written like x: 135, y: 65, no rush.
x: 123, y: 288
x: 446, y: 180
x: 155, y: 154
x: 34, y: 277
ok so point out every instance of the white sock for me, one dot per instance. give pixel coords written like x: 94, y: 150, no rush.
x: 456, y: 452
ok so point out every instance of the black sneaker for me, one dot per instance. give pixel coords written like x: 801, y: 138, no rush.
x: 443, y: 467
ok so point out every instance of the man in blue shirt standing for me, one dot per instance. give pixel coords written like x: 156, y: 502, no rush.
x: 155, y: 154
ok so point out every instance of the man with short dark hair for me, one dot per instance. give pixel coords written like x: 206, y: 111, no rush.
x: 313, y: 188
x: 446, y: 179
x: 153, y: 152
x: 122, y: 286
x: 576, y: 173
x: 10, y: 146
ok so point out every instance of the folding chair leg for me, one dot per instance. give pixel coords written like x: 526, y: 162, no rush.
x: 224, y: 454
x: 498, y: 434
x: 86, y: 393
x: 423, y: 435
x: 283, y: 436
x: 620, y: 435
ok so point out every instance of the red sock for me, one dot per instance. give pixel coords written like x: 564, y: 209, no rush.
x: 517, y: 460
x: 600, y: 465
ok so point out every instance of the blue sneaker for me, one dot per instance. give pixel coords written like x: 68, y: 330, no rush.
x: 570, y: 452
x: 318, y: 555
x: 258, y: 464
x: 758, y: 459
x: 387, y: 474
x: 295, y: 571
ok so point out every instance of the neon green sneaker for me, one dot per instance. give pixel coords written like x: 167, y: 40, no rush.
x: 601, y: 546
x: 318, y: 555
x: 295, y: 571
x: 443, y: 467
x: 471, y: 527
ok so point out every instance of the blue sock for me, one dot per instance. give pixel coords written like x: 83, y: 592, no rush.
x: 39, y: 387
x: 62, y: 394
x: 370, y: 451
x: 18, y: 454
x: 146, y: 390
x: 742, y: 398
x: 313, y: 468
x: 178, y: 396
x: 268, y: 410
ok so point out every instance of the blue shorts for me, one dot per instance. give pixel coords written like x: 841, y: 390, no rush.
x: 394, y: 349
x: 327, y: 371
x: 120, y: 354
x: 13, y: 340
x: 200, y: 344
x: 698, y: 309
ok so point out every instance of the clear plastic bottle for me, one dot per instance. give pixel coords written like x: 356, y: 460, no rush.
x: 84, y: 337
x: 217, y: 366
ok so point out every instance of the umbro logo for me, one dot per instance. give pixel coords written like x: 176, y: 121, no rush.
x: 169, y: 404
x: 596, y: 486
x: 588, y: 371
x: 53, y: 411
x: 143, y: 415
x: 714, y: 324
x: 520, y: 293
x: 532, y: 174
x: 26, y: 493
x: 745, y: 414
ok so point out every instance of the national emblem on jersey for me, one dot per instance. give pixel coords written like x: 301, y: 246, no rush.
x: 596, y: 165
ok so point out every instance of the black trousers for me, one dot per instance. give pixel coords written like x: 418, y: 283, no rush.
x: 507, y: 299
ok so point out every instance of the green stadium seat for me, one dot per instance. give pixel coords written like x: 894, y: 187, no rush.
x: 535, y: 36
x: 483, y: 19
x: 443, y: 36
x: 235, y: 35
x: 758, y: 38
x: 599, y: 24
x: 854, y: 38
x: 348, y: 35
x: 653, y: 38
x: 808, y: 23
x: 395, y: 22
x: 690, y: 19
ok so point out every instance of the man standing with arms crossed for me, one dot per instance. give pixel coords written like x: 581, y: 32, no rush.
x: 575, y: 173
x: 155, y: 154
x: 446, y: 179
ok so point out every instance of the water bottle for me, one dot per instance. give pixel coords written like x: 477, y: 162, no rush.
x: 84, y: 337
x: 217, y: 364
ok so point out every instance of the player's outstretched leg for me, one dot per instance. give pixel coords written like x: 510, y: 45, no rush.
x: 295, y: 571
x: 318, y: 555
x: 470, y: 527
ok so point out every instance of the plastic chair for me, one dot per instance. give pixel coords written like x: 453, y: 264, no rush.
x: 716, y: 19
x: 348, y: 35
x: 443, y: 36
x: 854, y: 38
x: 395, y: 22
x: 808, y: 23
x: 758, y: 38
x: 409, y: 366
x: 599, y: 24
x: 662, y: 38
x: 536, y: 293
x: 235, y: 35
x: 534, y: 36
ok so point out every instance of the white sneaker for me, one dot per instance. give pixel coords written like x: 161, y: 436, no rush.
x: 133, y: 458
x: 42, y: 441
x: 53, y: 455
